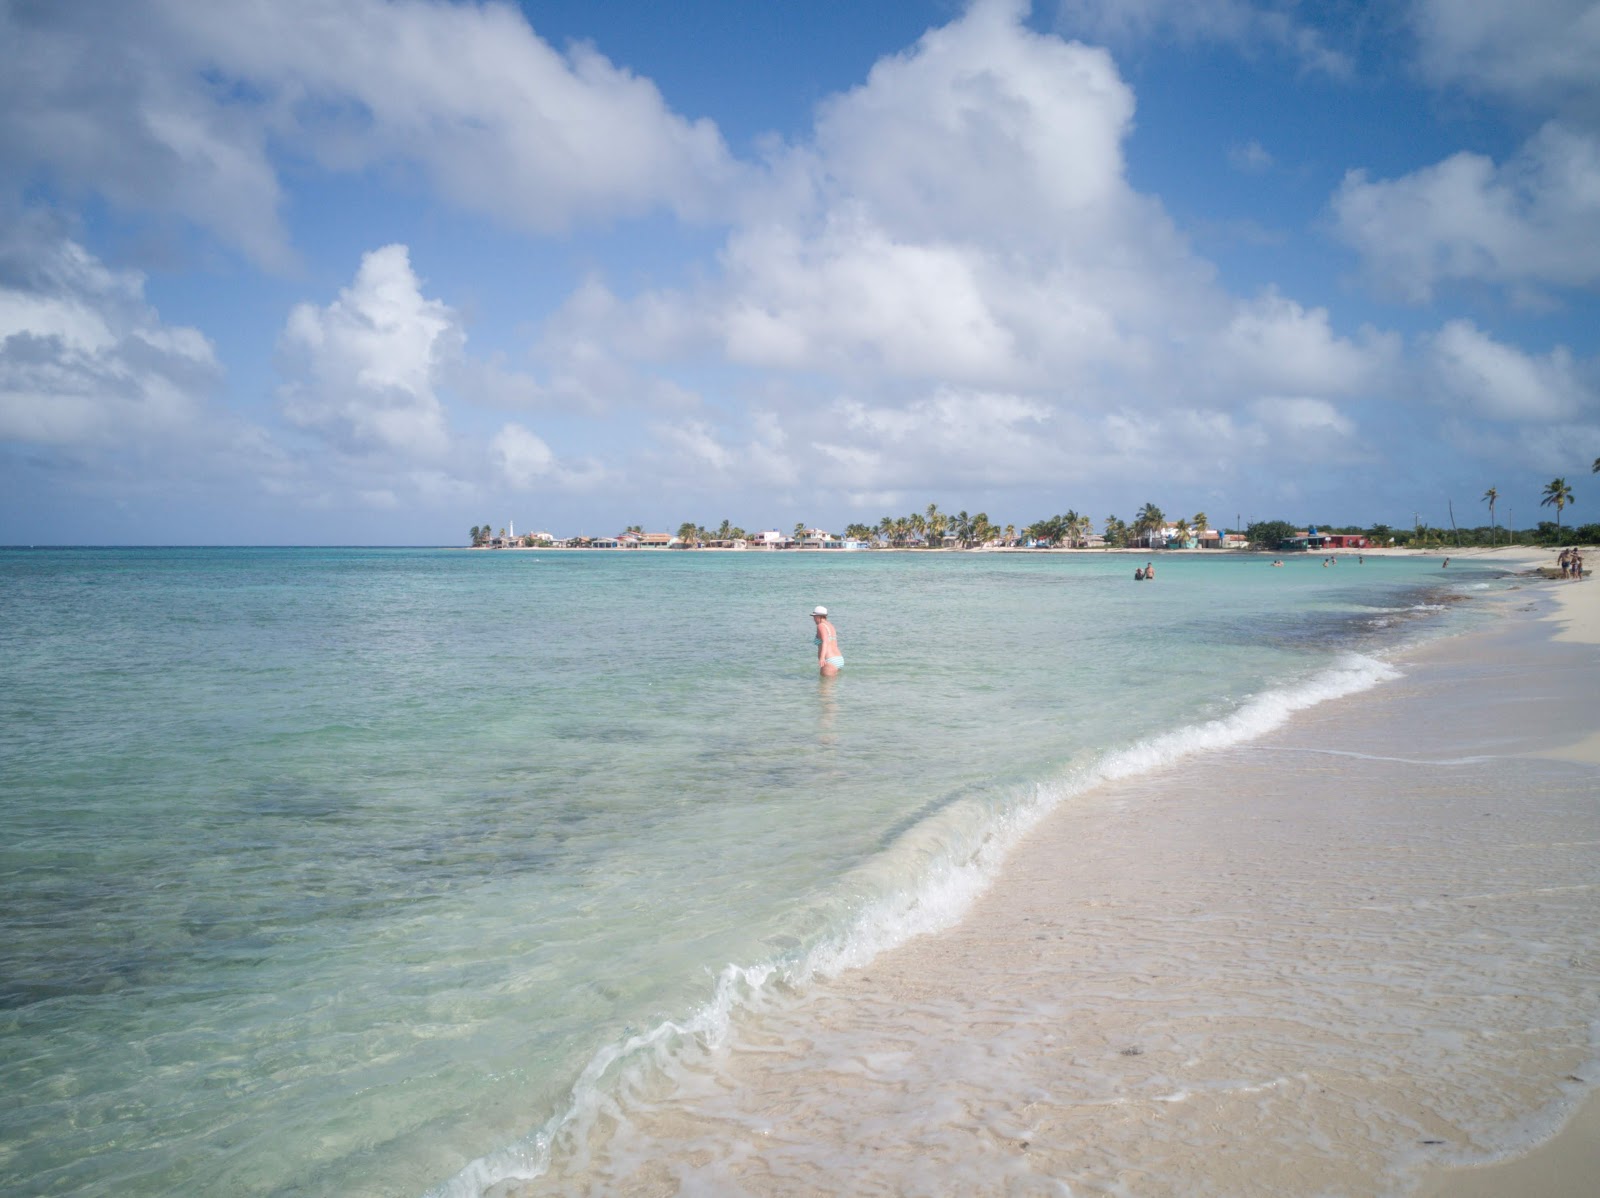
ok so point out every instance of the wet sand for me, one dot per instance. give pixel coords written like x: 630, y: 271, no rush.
x: 1360, y: 956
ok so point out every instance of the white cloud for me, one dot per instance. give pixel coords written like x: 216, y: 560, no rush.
x: 1539, y: 52
x: 95, y: 97
x: 962, y: 216
x: 525, y: 462
x: 1251, y: 27
x: 1470, y: 369
x: 1250, y: 158
x: 1528, y: 222
x: 1274, y: 345
x: 85, y: 361
x: 522, y: 456
x: 853, y: 295
x: 364, y: 369
x: 169, y: 106
x: 958, y: 435
x: 959, y: 241
x: 1309, y: 421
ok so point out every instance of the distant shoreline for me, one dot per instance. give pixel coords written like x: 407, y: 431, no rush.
x: 1531, y: 555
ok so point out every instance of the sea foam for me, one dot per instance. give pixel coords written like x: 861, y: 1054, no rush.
x: 955, y: 874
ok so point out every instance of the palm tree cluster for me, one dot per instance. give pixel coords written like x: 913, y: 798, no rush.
x: 696, y: 534
x: 1068, y: 529
x: 931, y: 527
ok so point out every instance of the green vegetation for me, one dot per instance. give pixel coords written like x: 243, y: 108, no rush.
x: 1266, y: 534
x: 933, y: 529
x: 1559, y: 493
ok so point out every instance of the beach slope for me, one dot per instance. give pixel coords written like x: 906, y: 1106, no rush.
x: 1358, y: 956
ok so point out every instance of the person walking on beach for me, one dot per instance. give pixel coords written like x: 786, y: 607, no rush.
x: 829, y: 659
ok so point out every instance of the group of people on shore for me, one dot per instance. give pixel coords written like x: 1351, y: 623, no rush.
x: 1570, y: 563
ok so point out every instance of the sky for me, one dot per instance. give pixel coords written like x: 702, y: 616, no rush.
x: 377, y: 271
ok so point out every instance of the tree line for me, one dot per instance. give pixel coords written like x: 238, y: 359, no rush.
x: 1072, y: 530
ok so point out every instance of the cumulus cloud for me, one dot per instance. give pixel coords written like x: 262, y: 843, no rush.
x: 174, y: 107
x: 1272, y: 344
x: 526, y: 463
x: 958, y: 241
x: 85, y: 361
x: 365, y: 368
x: 965, y: 216
x: 1472, y: 371
x: 1528, y: 222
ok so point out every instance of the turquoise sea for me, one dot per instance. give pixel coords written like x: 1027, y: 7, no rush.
x: 366, y: 871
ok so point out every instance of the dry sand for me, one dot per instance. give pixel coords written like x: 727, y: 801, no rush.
x: 1358, y: 957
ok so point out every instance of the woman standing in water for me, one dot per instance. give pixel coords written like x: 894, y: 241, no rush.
x: 829, y: 659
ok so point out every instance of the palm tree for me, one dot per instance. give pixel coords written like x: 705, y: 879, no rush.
x: 475, y: 534
x: 1182, y: 529
x: 1489, y: 497
x: 1069, y: 527
x: 799, y: 532
x: 688, y: 534
x: 1558, y: 493
x: 918, y: 524
x: 1149, y: 519
x: 1200, y: 524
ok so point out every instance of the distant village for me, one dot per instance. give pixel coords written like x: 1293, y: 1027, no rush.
x: 957, y: 534
x: 1150, y: 528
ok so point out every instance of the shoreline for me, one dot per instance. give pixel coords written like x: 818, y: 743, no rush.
x: 1340, y: 959
x: 1565, y: 1164
x: 1525, y: 555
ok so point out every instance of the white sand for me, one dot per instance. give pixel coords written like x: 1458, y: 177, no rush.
x: 1567, y: 1165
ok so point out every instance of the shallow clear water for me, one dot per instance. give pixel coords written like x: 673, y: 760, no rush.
x: 331, y: 871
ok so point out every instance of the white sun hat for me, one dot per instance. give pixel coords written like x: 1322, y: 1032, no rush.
x: 819, y: 610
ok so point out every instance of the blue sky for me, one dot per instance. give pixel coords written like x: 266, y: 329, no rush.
x: 359, y: 271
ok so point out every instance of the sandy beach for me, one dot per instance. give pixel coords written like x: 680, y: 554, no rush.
x: 1359, y: 956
